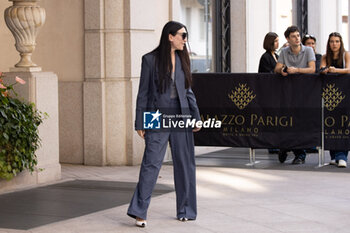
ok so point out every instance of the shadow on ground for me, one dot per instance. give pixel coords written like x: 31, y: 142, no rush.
x: 40, y: 206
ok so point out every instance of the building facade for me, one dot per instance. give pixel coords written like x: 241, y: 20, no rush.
x: 95, y: 48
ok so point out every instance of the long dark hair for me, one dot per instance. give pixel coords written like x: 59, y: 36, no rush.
x: 163, y: 57
x: 330, y: 54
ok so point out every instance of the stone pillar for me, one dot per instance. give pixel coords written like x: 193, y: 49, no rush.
x: 142, y: 35
x: 94, y: 84
x: 249, y: 25
x: 116, y: 37
x: 24, y: 19
x: 238, y: 36
x: 257, y: 25
x: 107, y: 91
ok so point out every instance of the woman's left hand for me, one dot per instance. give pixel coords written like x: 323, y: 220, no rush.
x: 331, y: 69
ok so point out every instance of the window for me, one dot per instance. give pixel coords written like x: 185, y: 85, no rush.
x: 197, y: 16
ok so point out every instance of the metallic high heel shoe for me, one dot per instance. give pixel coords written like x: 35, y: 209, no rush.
x: 141, y: 222
x: 183, y: 219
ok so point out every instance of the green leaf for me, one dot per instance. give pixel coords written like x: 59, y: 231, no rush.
x: 19, y: 136
x: 5, y: 136
x: 2, y: 112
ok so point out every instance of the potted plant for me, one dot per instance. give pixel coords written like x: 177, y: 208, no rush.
x: 19, y: 136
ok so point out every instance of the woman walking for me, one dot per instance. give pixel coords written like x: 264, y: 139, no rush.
x: 165, y: 87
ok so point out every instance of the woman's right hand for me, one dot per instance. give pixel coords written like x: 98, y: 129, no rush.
x: 141, y: 133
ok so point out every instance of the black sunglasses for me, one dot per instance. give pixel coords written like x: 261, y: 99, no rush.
x: 183, y: 34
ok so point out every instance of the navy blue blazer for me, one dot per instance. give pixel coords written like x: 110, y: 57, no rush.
x: 150, y: 99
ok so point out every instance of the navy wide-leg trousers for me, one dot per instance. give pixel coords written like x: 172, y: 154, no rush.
x: 182, y: 149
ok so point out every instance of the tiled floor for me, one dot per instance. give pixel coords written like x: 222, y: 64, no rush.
x: 238, y: 198
x: 40, y: 206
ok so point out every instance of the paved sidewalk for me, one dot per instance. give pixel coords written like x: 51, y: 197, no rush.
x: 242, y: 200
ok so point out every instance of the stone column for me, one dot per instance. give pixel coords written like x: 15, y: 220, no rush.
x: 94, y: 84
x: 238, y: 36
x: 107, y: 115
x: 257, y: 25
x: 24, y: 19
x: 116, y: 37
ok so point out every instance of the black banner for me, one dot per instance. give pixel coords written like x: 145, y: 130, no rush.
x: 260, y: 110
x: 336, y: 94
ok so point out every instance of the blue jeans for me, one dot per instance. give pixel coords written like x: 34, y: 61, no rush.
x: 338, y: 155
x: 299, y: 153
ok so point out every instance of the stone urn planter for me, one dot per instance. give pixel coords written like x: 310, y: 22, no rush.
x: 24, y: 19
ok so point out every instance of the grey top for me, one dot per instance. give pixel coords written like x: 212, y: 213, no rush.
x: 173, y: 91
x: 300, y: 60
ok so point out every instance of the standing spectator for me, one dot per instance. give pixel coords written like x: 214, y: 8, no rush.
x: 310, y: 40
x: 336, y: 60
x: 268, y: 60
x: 296, y: 58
